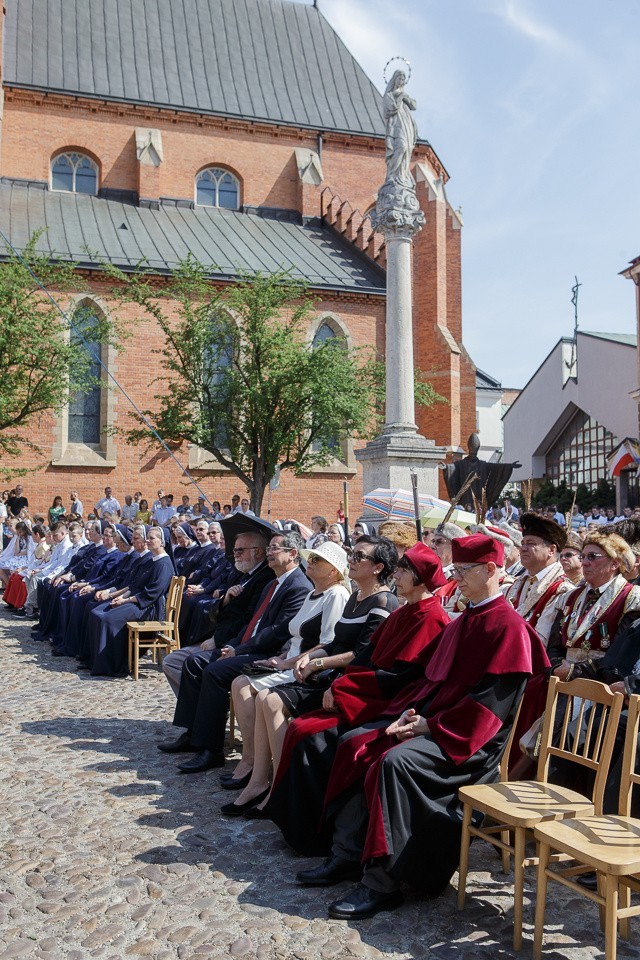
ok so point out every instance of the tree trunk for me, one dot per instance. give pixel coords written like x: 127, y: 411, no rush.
x: 257, y: 493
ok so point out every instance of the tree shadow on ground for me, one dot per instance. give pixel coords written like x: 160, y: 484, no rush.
x: 253, y: 853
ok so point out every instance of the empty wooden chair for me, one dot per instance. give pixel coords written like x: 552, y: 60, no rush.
x: 608, y: 844
x: 516, y: 807
x: 159, y: 636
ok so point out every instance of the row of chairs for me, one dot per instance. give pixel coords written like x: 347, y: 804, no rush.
x: 565, y: 825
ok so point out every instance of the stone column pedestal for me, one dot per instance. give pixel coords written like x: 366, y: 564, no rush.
x: 388, y: 461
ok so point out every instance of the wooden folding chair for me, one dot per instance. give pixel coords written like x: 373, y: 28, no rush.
x: 516, y: 807
x: 610, y: 845
x: 164, y: 635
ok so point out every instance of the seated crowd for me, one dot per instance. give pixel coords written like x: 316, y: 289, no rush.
x: 371, y: 677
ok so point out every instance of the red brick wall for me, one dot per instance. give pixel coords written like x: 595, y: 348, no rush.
x: 137, y: 367
x: 37, y: 126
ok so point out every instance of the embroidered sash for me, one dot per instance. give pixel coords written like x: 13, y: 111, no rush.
x: 596, y: 629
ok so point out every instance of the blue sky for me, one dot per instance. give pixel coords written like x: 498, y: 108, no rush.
x: 532, y: 107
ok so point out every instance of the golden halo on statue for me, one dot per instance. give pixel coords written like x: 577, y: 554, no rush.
x: 393, y: 60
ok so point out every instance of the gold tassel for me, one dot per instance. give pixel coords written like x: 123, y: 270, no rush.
x: 569, y: 516
x: 527, y: 493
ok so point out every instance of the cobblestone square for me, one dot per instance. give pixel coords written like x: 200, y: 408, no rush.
x: 108, y: 852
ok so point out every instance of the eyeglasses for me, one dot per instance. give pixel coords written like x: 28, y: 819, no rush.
x: 461, y: 572
x: 279, y: 549
x: 239, y: 550
x: 436, y: 541
x: 313, y: 560
x: 592, y: 557
x: 569, y: 556
x: 358, y: 556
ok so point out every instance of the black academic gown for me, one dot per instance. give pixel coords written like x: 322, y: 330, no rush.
x: 72, y: 644
x: 104, y: 566
x: 107, y: 629
x: 79, y: 564
x: 411, y: 819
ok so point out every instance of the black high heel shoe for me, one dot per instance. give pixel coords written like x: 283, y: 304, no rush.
x: 228, y: 783
x: 237, y: 809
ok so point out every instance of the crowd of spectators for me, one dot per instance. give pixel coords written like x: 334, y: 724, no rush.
x: 135, y: 508
x: 372, y: 674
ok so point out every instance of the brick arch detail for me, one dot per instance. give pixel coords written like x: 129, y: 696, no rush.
x: 228, y: 169
x: 74, y: 148
x: 335, y: 322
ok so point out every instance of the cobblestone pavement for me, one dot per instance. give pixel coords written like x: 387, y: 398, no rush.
x: 108, y: 852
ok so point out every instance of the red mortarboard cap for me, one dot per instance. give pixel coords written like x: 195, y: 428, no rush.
x: 427, y: 565
x: 477, y: 549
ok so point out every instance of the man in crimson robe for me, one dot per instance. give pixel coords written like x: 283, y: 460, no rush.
x: 393, y: 792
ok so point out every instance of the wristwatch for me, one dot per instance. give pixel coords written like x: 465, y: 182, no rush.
x: 319, y: 663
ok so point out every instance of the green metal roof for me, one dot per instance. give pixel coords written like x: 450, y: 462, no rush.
x: 264, y: 60
x: 228, y: 242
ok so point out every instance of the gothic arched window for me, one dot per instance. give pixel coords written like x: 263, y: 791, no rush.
x: 216, y: 187
x: 84, y: 423
x: 74, y: 173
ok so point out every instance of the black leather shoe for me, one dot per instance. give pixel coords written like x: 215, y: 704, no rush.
x: 237, y: 809
x: 181, y: 745
x: 333, y: 870
x: 364, y: 902
x: 56, y: 652
x: 206, y: 760
x: 228, y: 783
x: 588, y: 880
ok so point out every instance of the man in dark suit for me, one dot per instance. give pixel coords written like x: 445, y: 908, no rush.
x: 235, y: 610
x: 203, y: 698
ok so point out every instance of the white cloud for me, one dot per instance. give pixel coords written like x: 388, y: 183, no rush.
x: 516, y: 14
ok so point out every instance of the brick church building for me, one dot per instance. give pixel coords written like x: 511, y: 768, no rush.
x: 244, y: 132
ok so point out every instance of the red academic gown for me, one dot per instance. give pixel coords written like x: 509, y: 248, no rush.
x: 473, y: 683
x: 398, y: 646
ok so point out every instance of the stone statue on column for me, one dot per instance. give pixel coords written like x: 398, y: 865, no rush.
x: 389, y: 460
x: 397, y: 204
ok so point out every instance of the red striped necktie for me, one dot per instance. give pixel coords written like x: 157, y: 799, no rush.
x: 259, y: 612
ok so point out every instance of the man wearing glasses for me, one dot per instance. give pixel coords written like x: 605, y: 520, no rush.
x: 591, y: 617
x: 251, y: 576
x: 534, y: 594
x: 443, y: 537
x: 396, y: 809
x: 203, y: 697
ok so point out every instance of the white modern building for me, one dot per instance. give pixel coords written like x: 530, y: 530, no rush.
x: 574, y: 410
x: 492, y: 402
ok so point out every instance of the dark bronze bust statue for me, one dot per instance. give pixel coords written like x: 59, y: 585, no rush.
x: 493, y: 476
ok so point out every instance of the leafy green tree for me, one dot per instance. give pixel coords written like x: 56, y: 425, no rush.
x: 240, y: 379
x: 41, y: 365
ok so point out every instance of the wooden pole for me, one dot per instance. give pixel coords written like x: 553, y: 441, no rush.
x: 416, y: 504
x: 345, y: 498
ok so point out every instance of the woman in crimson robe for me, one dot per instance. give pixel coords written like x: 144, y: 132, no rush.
x: 394, y: 663
x: 392, y: 798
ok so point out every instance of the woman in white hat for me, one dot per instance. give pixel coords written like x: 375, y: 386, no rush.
x: 312, y: 630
